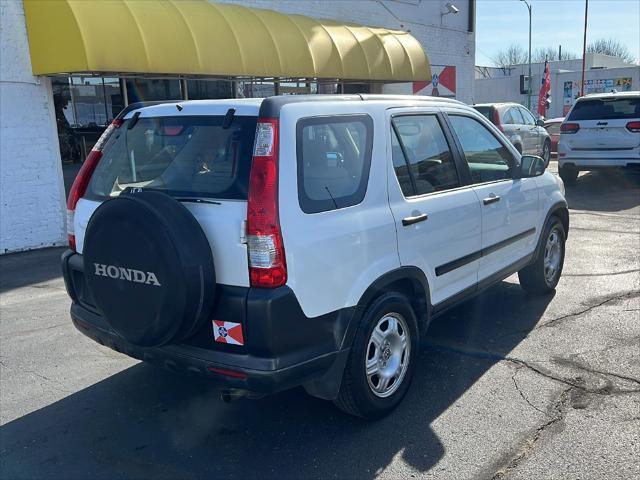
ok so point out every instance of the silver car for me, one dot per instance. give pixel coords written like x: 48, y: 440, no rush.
x: 526, y: 133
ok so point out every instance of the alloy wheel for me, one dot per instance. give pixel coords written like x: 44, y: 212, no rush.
x: 387, y: 358
x: 552, y: 254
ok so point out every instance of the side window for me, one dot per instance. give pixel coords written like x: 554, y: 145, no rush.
x: 334, y: 156
x: 488, y: 159
x: 507, y: 118
x: 528, y: 118
x: 427, y: 158
x: 517, y: 116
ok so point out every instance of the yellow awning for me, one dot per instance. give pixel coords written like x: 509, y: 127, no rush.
x: 195, y: 37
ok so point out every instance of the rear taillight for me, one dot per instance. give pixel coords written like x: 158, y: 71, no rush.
x: 569, y: 127
x: 495, y: 118
x: 267, y: 267
x: 633, y: 126
x: 81, y: 182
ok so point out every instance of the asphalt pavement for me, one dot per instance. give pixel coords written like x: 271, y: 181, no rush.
x: 508, y: 385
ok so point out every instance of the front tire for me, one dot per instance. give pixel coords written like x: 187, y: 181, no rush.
x: 543, y: 274
x: 382, y: 359
x: 569, y: 175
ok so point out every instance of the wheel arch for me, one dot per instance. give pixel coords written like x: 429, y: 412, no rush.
x: 407, y: 280
x: 560, y: 210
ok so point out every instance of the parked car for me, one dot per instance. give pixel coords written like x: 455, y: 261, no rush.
x: 302, y: 240
x: 521, y: 128
x: 601, y: 131
x: 552, y: 126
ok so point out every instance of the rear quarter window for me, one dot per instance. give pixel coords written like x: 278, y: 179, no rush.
x: 486, y: 111
x: 605, y: 109
x: 553, y: 128
x: 334, y: 157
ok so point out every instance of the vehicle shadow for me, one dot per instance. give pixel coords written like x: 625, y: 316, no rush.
x: 147, y: 423
x: 604, y: 191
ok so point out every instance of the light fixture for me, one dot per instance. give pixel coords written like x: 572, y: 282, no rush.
x: 450, y: 8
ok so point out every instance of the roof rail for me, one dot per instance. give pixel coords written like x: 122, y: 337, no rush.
x: 138, y: 105
x: 383, y: 96
x: 271, y: 106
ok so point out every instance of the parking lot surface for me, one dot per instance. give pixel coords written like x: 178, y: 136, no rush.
x: 508, y: 385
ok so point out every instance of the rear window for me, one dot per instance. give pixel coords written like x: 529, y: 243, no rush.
x: 607, y: 109
x: 486, y: 111
x: 182, y: 156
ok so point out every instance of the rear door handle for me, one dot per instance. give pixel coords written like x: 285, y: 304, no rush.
x: 411, y: 220
x: 491, y: 199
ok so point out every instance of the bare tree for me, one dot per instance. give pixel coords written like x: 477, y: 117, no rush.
x: 610, y: 46
x: 512, y: 55
x: 551, y: 54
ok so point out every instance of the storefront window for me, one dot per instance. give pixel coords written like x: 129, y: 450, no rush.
x: 114, y: 100
x: 84, y: 106
x: 297, y: 88
x: 87, y: 102
x: 149, y: 89
x: 253, y: 89
x: 208, y: 89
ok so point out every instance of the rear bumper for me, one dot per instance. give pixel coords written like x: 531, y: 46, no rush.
x: 598, y: 163
x: 283, y: 348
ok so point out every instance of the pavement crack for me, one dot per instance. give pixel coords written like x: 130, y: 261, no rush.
x: 576, y: 365
x: 524, y: 397
x: 524, y: 450
x: 54, y: 383
x: 601, y: 274
x: 574, y: 383
x: 554, y: 321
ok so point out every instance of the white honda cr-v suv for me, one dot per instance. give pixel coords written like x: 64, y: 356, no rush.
x: 301, y: 240
x: 601, y: 131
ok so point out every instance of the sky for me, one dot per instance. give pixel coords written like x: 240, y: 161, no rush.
x: 554, y: 22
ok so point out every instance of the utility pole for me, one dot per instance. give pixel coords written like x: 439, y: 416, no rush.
x: 529, y: 82
x: 584, y: 45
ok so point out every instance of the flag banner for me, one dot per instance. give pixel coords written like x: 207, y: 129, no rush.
x: 228, y: 332
x: 545, y: 88
x: 442, y: 84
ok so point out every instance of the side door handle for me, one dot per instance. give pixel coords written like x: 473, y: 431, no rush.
x: 417, y: 219
x: 491, y: 199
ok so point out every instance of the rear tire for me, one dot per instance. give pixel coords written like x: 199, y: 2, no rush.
x: 382, y: 359
x: 569, y: 175
x: 546, y: 152
x: 543, y: 274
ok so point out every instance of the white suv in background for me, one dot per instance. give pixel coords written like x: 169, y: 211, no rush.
x: 302, y: 240
x: 601, y: 131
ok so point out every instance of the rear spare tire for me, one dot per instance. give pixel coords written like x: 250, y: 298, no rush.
x: 149, y: 268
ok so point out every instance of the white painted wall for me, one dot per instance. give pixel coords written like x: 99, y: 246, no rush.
x: 445, y: 39
x: 32, y: 208
x: 507, y: 88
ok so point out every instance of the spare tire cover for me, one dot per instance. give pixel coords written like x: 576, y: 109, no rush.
x: 149, y: 268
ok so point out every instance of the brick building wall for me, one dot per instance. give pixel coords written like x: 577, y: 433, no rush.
x: 32, y: 207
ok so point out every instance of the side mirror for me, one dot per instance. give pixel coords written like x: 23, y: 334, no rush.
x: 531, y: 166
x: 540, y: 122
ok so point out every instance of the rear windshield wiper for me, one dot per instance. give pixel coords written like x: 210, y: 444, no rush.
x: 196, y: 200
